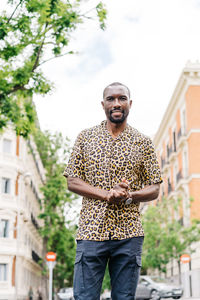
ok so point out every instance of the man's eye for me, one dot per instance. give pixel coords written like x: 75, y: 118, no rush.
x: 123, y: 98
x: 110, y: 99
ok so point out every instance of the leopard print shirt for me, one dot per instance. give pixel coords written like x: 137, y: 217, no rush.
x: 102, y: 161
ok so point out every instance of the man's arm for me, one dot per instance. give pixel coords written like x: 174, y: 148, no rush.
x: 82, y: 188
x: 148, y: 193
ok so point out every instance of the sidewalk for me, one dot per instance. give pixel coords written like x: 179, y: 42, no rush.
x: 191, y: 298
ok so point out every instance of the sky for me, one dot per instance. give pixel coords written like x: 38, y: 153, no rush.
x: 146, y: 45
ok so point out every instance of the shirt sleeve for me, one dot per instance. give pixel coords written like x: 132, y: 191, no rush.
x: 151, y: 173
x: 75, y: 166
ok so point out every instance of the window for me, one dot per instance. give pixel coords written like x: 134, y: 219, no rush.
x: 185, y: 164
x: 7, y: 144
x: 4, y: 228
x: 3, y: 272
x: 183, y: 122
x: 6, y: 185
x: 174, y: 140
x: 175, y: 174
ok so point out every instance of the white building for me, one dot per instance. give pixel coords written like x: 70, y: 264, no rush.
x: 21, y: 246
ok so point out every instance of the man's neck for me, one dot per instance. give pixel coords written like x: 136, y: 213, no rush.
x: 115, y: 128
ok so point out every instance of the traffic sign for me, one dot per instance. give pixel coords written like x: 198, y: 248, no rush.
x: 185, y: 258
x: 51, y: 261
x: 51, y: 256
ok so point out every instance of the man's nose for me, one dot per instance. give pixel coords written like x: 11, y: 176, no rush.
x: 117, y: 103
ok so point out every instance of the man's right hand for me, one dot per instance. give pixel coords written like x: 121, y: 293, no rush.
x: 119, y: 193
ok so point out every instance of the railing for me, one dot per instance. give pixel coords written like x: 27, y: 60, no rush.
x: 35, y: 257
x: 35, y: 192
x: 35, y: 223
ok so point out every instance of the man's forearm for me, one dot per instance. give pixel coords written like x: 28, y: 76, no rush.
x: 82, y: 188
x: 146, y: 194
x: 116, y: 195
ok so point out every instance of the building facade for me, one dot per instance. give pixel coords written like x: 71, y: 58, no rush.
x: 21, y: 246
x: 178, y: 146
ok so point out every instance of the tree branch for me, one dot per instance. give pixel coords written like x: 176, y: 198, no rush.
x: 43, y: 62
x: 36, y: 64
x: 20, y: 2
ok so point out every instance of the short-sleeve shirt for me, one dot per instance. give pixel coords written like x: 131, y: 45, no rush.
x: 103, y: 161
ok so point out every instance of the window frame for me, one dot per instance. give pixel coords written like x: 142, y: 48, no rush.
x: 4, y: 272
x: 5, y: 185
x: 5, y: 229
x: 4, y: 146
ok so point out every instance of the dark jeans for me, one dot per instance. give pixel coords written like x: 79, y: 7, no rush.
x: 124, y: 263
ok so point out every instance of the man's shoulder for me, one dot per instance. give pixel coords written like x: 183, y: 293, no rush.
x: 92, y: 130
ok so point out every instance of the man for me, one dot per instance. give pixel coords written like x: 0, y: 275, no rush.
x: 114, y: 168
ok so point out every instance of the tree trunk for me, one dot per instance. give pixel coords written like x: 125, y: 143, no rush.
x: 179, y: 272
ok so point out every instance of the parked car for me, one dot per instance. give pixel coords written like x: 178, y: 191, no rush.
x: 106, y: 295
x: 155, y: 288
x: 66, y: 294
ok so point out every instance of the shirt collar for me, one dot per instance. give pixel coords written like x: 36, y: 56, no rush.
x: 125, y: 131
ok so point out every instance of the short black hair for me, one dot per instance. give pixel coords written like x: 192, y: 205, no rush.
x: 116, y: 84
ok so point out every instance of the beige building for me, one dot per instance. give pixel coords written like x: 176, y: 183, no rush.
x: 178, y: 145
x: 21, y: 246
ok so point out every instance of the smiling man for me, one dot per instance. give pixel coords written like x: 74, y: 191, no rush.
x: 114, y: 168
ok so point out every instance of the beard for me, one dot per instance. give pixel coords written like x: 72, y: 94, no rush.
x: 118, y: 120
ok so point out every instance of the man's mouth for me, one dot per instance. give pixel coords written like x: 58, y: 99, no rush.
x: 116, y: 111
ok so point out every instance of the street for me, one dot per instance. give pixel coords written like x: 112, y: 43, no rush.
x: 185, y: 298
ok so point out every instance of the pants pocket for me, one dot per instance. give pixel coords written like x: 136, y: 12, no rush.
x: 135, y: 273
x: 78, y: 274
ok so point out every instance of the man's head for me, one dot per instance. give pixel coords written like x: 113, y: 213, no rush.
x: 116, y: 84
x: 116, y: 102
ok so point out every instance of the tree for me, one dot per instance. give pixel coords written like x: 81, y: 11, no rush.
x: 165, y: 237
x: 58, y: 237
x: 32, y: 32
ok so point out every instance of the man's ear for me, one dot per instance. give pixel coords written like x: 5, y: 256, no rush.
x: 102, y: 103
x: 130, y: 103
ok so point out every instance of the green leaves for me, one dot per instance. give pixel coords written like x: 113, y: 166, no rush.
x: 101, y: 12
x: 33, y: 32
x: 59, y: 235
x: 165, y: 237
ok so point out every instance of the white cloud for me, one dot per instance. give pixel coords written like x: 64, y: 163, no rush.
x: 146, y: 46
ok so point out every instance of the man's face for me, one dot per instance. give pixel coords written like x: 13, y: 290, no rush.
x: 116, y: 103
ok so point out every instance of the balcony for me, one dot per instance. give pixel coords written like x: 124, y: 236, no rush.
x: 179, y: 176
x: 34, y: 222
x: 35, y: 257
x: 181, y: 136
x: 165, y: 167
x: 172, y: 153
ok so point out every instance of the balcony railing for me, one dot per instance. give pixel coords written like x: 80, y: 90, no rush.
x: 35, y: 223
x: 35, y: 257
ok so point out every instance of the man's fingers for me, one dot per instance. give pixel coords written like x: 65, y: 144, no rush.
x: 123, y: 185
x: 117, y: 196
x: 124, y: 180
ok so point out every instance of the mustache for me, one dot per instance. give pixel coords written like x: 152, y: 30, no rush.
x: 116, y: 109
